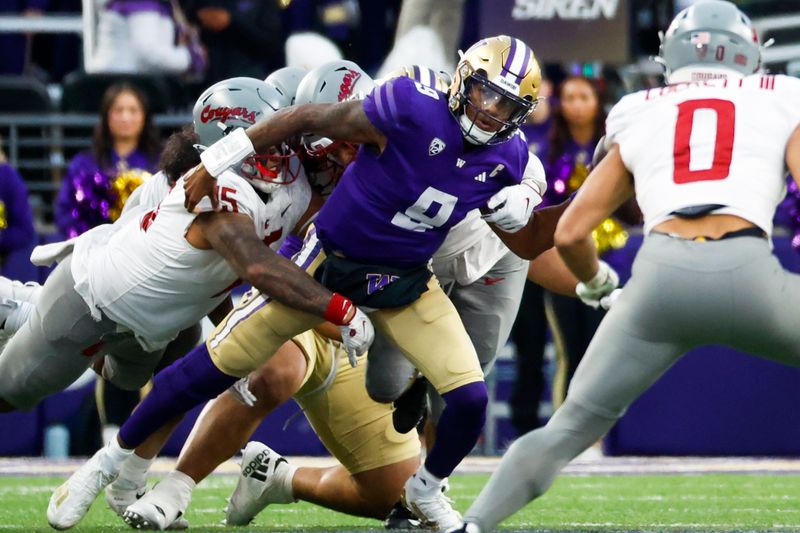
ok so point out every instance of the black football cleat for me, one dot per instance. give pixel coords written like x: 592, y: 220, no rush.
x: 410, y: 406
x: 401, y: 518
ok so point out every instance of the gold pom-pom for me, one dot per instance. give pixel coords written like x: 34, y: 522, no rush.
x: 609, y: 235
x: 122, y: 187
x: 3, y: 219
x: 578, y: 175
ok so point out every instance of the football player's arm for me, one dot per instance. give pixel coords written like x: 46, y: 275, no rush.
x: 345, y: 121
x: 793, y: 155
x: 549, y: 271
x: 219, y: 313
x: 537, y: 236
x: 606, y: 188
x: 233, y: 237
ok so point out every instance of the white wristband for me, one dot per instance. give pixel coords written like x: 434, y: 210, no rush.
x: 600, y: 278
x: 228, y: 151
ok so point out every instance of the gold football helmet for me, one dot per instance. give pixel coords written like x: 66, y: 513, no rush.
x: 494, y: 89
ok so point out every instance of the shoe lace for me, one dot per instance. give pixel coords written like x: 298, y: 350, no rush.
x: 436, y: 505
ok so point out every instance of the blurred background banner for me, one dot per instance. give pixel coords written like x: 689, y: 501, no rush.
x: 598, y: 30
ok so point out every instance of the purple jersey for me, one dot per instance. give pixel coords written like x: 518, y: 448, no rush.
x: 395, y: 208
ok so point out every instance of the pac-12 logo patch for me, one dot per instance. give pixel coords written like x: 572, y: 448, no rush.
x: 436, y: 146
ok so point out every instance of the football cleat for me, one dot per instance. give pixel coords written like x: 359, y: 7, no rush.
x: 262, y: 481
x: 119, y: 495
x: 401, y: 518
x: 409, y: 408
x: 466, y: 527
x: 161, y: 508
x: 71, y: 501
x: 430, y: 505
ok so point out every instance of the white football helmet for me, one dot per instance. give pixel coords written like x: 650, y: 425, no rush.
x: 710, y: 39
x: 286, y: 80
x: 240, y: 103
x: 330, y: 83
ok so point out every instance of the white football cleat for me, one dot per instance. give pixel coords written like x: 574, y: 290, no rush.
x: 161, y: 508
x: 71, y: 501
x: 428, y: 502
x: 265, y: 478
x: 122, y: 493
x: 467, y: 527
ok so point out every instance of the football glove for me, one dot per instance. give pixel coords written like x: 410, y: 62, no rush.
x: 357, y: 336
x: 512, y: 207
x: 601, y: 285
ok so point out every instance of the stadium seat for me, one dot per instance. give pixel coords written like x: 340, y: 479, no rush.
x: 83, y: 92
x: 20, y: 94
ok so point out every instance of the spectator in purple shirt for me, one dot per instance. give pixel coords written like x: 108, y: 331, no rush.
x: 16, y: 221
x: 125, y: 139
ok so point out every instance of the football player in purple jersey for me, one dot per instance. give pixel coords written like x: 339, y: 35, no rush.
x: 427, y: 159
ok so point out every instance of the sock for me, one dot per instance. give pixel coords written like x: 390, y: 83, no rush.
x: 181, y: 386
x: 114, y: 456
x: 179, y: 487
x: 287, y: 481
x: 133, y: 473
x: 459, y: 428
x: 433, y: 483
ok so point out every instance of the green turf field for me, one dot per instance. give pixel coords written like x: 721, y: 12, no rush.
x: 721, y: 502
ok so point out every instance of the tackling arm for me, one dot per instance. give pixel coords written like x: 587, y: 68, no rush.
x: 606, y: 188
x: 233, y: 237
x: 537, y: 236
x: 345, y: 121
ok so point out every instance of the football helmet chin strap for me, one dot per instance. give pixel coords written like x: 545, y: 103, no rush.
x: 472, y: 133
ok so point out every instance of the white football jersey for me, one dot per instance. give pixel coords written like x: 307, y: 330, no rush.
x: 471, y: 248
x: 147, y: 277
x: 717, y: 142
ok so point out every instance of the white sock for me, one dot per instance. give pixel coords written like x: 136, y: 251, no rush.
x: 432, y: 482
x: 114, y: 456
x: 181, y: 485
x: 133, y: 473
x: 287, y: 480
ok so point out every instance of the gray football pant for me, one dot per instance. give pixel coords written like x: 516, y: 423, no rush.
x: 54, y: 347
x: 682, y: 294
x: 487, y: 311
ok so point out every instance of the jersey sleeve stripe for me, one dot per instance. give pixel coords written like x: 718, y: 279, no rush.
x: 379, y: 105
x: 390, y: 100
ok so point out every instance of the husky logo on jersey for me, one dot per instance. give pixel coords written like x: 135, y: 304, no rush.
x: 348, y: 81
x: 436, y: 146
x: 377, y: 282
x: 224, y: 113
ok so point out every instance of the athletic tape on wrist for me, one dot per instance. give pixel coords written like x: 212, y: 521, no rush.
x: 338, y: 309
x: 227, y: 152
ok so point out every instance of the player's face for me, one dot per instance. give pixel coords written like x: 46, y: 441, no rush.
x: 579, y: 102
x: 487, y: 108
x: 126, y: 117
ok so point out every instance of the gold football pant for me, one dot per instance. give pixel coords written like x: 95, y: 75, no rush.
x: 355, y: 429
x: 428, y: 331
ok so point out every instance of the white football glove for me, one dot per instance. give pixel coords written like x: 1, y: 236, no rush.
x: 512, y: 207
x: 606, y: 302
x: 600, y: 286
x: 357, y: 336
x: 241, y: 391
